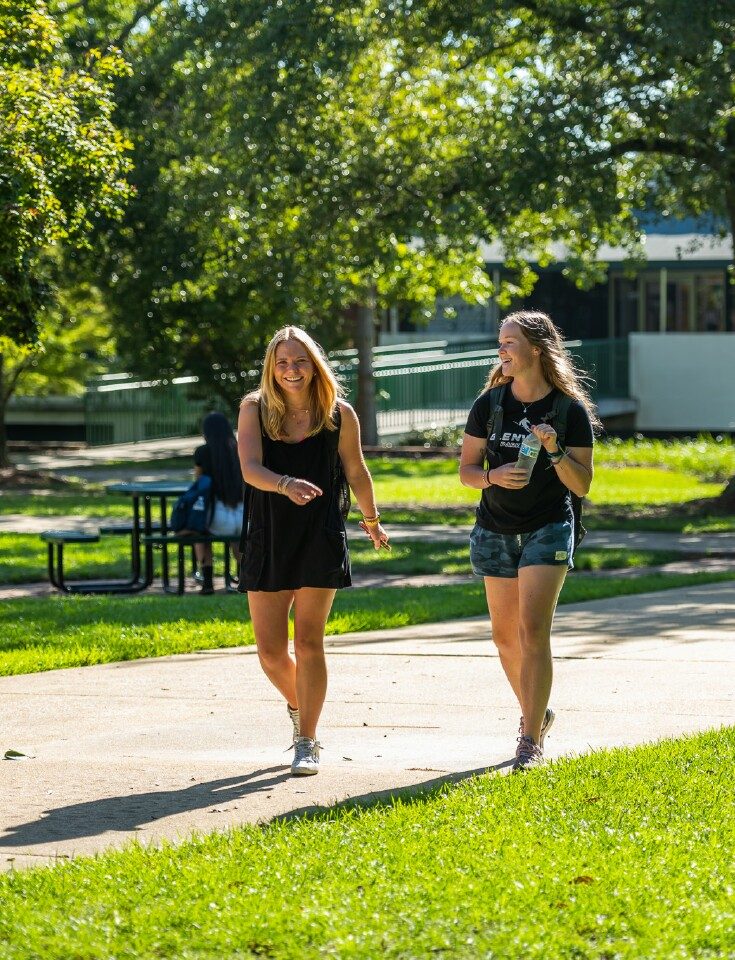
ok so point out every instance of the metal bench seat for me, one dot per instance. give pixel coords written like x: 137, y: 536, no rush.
x: 181, y: 541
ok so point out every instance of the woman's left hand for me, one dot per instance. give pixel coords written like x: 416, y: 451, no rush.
x: 547, y: 435
x: 377, y: 534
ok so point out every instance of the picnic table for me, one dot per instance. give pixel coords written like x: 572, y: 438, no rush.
x: 145, y: 492
x: 146, y: 522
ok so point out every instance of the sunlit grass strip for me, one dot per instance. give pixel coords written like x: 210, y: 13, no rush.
x: 423, y: 483
x: 62, y: 631
x: 625, y: 853
x: 706, y: 457
x: 23, y: 558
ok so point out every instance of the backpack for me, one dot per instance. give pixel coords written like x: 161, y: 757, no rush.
x: 557, y: 416
x: 193, y: 510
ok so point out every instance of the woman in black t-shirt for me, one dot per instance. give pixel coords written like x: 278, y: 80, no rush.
x: 523, y: 540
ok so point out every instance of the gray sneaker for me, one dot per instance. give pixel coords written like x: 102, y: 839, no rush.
x: 306, y: 757
x: 549, y: 717
x: 528, y: 754
x: 293, y: 713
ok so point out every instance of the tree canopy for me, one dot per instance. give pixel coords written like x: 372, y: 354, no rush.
x: 62, y: 160
x: 294, y: 159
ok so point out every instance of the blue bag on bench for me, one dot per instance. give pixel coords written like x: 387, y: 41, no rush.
x: 193, y: 510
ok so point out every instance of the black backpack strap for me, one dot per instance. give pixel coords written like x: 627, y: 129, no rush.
x: 495, y: 420
x: 340, y: 487
x: 558, y: 415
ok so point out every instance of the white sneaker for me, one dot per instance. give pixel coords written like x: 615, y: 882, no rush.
x: 293, y: 713
x: 306, y: 757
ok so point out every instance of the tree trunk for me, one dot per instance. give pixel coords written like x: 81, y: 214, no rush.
x: 364, y: 342
x: 727, y: 497
x: 4, y: 458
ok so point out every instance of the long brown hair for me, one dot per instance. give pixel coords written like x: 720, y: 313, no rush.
x: 556, y: 363
x: 323, y: 391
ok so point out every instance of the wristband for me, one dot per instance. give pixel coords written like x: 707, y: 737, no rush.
x: 488, y: 482
x: 371, y: 521
x: 558, y: 456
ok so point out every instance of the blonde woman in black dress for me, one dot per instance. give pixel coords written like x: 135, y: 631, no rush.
x: 299, y: 448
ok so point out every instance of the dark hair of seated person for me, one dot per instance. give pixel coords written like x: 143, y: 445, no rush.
x: 226, y: 477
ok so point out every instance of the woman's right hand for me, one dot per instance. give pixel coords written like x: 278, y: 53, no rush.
x: 510, y: 476
x: 302, y: 492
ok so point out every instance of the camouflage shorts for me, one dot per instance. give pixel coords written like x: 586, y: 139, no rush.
x: 501, y: 554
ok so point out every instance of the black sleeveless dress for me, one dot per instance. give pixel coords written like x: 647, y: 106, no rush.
x: 285, y: 546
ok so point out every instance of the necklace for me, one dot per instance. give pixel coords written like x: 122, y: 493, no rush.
x: 295, y: 414
x: 530, y: 403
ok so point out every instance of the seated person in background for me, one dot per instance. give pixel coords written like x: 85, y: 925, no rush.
x: 218, y: 459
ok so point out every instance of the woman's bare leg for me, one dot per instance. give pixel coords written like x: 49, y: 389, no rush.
x: 311, y: 609
x: 538, y: 592
x: 502, y: 602
x: 269, y: 614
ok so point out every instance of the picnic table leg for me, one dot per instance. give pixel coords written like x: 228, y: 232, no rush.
x: 60, y: 568
x: 53, y: 579
x: 147, y: 529
x: 228, y: 577
x: 164, y: 548
x: 135, y: 545
x: 181, y: 557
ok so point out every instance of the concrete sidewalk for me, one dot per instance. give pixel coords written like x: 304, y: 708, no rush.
x: 70, y: 461
x: 156, y: 749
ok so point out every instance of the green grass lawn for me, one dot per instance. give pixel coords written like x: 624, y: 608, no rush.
x: 94, y: 503
x: 585, y: 859
x: 415, y: 482
x: 645, y: 486
x: 655, y: 497
x: 67, y: 631
x: 435, y: 482
x: 23, y: 558
x: 705, y: 457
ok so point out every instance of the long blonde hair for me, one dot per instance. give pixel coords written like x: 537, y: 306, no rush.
x: 323, y: 391
x: 556, y: 363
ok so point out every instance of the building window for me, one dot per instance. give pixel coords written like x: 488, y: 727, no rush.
x: 694, y: 301
x: 652, y: 306
x: 710, y: 302
x: 625, y: 306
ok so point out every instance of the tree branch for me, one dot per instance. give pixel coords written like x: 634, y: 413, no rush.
x: 69, y: 8
x: 145, y: 10
x: 678, y: 148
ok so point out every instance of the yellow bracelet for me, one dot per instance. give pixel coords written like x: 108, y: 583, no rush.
x: 372, y: 521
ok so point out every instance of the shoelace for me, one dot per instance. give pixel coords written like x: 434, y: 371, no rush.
x: 527, y: 749
x: 303, y: 748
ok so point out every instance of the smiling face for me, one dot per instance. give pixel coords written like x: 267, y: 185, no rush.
x: 293, y: 371
x: 517, y: 354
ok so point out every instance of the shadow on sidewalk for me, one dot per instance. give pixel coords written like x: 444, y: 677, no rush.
x: 128, y: 813
x: 414, y: 793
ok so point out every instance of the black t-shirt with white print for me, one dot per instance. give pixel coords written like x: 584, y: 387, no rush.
x: 544, y: 499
